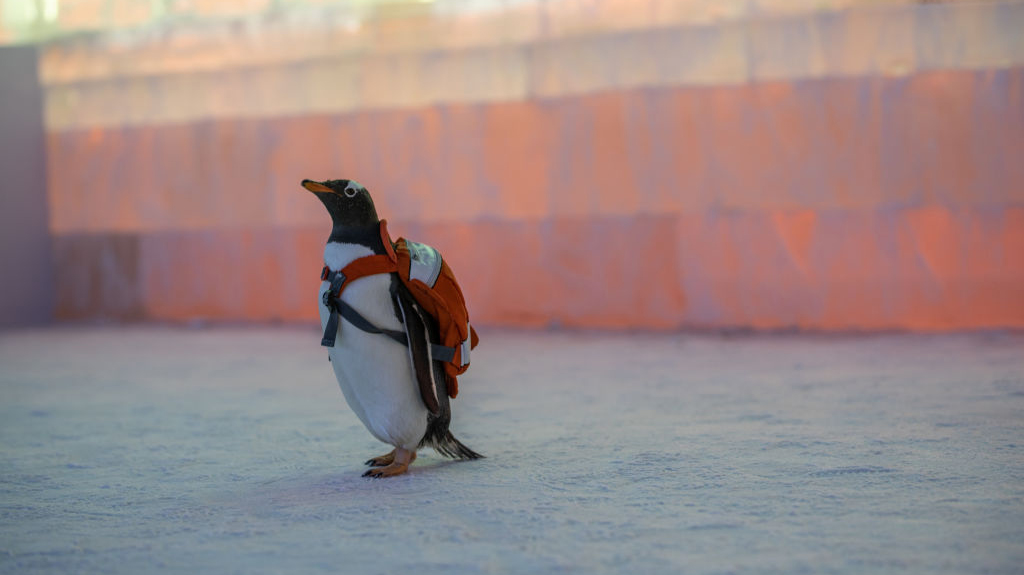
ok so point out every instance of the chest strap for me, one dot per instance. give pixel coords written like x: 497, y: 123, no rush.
x: 332, y: 300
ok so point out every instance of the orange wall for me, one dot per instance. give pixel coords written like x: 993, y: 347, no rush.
x: 834, y: 204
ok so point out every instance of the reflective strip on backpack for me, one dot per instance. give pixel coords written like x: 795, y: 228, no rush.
x: 466, y: 346
x: 424, y: 263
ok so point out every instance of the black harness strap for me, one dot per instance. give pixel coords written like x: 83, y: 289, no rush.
x: 337, y: 307
x: 355, y: 318
x: 331, y: 329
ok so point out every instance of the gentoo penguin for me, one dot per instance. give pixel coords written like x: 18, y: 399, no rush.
x: 377, y: 374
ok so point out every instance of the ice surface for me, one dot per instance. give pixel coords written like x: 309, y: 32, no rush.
x: 230, y: 450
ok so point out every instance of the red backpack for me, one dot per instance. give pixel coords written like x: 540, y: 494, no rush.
x: 432, y: 284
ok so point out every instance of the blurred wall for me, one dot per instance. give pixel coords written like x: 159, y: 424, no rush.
x: 848, y: 169
x: 27, y: 291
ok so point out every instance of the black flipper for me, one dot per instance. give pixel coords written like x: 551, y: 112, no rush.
x: 419, y: 351
x: 431, y: 378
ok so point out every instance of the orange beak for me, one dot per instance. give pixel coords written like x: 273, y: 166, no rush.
x: 316, y: 187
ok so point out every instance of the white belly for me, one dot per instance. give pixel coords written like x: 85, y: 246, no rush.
x: 373, y: 371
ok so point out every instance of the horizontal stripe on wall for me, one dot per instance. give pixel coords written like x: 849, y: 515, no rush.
x: 928, y: 268
x: 235, y: 73
x: 942, y: 138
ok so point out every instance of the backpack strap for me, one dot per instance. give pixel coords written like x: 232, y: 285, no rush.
x: 338, y: 307
x: 362, y: 267
x: 385, y: 238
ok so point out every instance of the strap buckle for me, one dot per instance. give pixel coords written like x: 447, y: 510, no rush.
x: 337, y: 280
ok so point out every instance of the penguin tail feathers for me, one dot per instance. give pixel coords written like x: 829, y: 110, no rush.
x: 448, y: 446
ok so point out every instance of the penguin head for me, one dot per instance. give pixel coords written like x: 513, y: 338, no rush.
x: 348, y: 202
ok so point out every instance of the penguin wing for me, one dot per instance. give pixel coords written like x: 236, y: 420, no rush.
x: 417, y: 331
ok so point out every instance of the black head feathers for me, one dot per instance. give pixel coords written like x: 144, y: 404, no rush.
x: 348, y: 202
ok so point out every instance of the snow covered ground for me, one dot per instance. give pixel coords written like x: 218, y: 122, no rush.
x: 231, y: 450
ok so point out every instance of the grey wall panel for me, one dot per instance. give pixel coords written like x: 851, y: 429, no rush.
x: 26, y: 262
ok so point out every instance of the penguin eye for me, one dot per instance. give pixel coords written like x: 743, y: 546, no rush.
x: 351, y: 192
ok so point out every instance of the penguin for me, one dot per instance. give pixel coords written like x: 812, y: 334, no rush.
x: 382, y: 379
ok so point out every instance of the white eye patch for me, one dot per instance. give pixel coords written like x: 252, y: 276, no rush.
x: 352, y: 189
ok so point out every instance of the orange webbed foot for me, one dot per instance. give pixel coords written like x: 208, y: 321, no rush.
x: 395, y: 463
